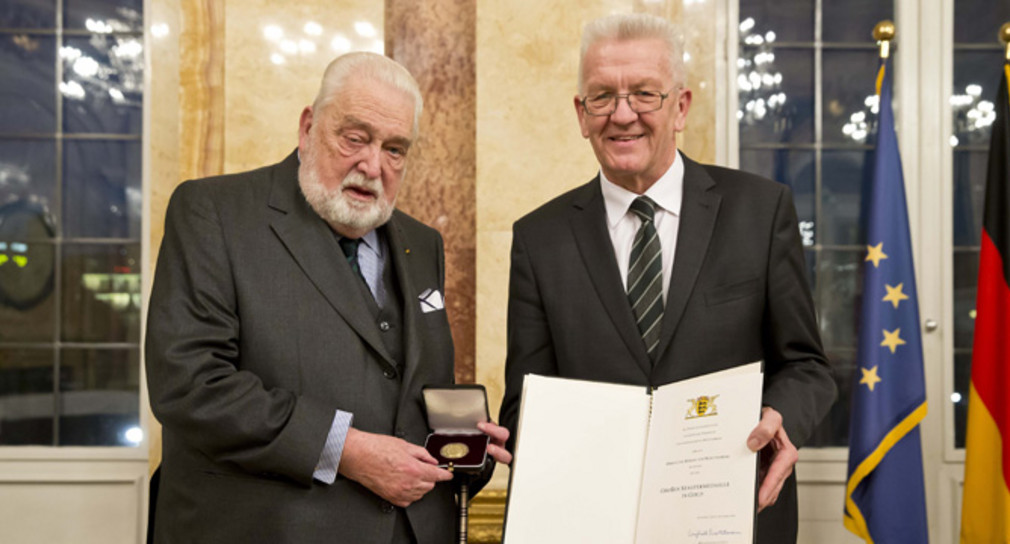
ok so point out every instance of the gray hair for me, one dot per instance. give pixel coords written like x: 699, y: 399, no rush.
x: 635, y: 26
x: 368, y: 66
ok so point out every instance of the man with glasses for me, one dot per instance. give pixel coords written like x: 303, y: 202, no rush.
x: 661, y: 269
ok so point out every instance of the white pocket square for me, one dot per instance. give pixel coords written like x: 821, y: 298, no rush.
x: 431, y: 300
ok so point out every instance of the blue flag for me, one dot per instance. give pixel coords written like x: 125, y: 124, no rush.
x: 885, y: 500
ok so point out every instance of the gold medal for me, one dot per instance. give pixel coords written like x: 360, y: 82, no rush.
x: 454, y: 450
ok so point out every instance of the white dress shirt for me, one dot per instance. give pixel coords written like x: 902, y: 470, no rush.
x: 668, y: 194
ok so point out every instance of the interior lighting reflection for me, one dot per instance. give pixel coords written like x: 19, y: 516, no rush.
x: 116, y: 94
x: 72, y: 89
x: 306, y: 47
x: 134, y: 435
x: 746, y: 24
x: 955, y: 397
x: 953, y: 141
x: 159, y: 30
x: 128, y: 49
x: 278, y: 59
x: 98, y: 26
x: 313, y: 28
x: 365, y: 29
x: 273, y: 32
x: 289, y: 47
x: 340, y: 44
x: 86, y: 67
x: 69, y: 53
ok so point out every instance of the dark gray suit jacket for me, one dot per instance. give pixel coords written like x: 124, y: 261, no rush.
x: 257, y: 332
x: 738, y: 293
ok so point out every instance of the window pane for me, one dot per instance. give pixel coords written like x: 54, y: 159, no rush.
x: 976, y: 78
x: 27, y: 312
x: 27, y: 264
x: 27, y: 13
x: 795, y: 169
x: 102, y: 189
x: 965, y: 288
x: 978, y: 21
x: 104, y: 15
x: 776, y: 95
x: 853, y: 20
x: 969, y: 195
x: 28, y: 171
x: 839, y: 288
x: 103, y: 84
x: 27, y: 407
x: 101, y: 293
x: 959, y: 398
x: 99, y: 399
x: 834, y: 430
x: 846, y: 175
x: 788, y: 20
x: 849, y: 95
x: 27, y: 102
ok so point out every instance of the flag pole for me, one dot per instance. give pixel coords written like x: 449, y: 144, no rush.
x: 1004, y: 36
x: 884, y: 33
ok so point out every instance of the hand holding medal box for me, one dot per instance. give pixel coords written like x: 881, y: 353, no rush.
x: 453, y: 414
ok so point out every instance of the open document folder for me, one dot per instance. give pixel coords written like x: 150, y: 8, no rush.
x: 618, y: 464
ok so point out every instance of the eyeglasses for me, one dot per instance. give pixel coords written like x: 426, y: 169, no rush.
x: 639, y: 102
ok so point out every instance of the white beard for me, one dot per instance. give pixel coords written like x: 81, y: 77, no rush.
x: 336, y: 208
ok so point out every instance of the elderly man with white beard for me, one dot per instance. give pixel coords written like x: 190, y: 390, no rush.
x: 295, y: 316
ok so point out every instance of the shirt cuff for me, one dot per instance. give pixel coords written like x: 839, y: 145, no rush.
x: 329, y: 460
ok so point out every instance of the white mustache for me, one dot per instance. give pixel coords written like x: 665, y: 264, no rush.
x: 358, y: 180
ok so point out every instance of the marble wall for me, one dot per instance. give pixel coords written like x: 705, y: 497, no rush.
x: 228, y: 79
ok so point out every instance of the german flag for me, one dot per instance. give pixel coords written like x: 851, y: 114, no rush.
x: 985, y: 513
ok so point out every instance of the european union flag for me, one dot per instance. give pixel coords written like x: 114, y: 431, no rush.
x: 885, y: 497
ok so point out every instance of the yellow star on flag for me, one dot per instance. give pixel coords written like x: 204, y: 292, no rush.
x: 894, y: 294
x: 875, y: 254
x: 870, y: 377
x: 892, y: 340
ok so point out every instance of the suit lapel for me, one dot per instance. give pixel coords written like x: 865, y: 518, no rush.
x: 589, y: 227
x: 697, y: 221
x: 399, y: 255
x: 313, y: 246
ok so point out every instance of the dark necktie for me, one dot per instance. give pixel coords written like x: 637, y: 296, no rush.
x: 350, y: 249
x: 645, y: 275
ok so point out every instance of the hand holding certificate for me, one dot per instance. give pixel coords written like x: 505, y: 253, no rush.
x: 611, y: 463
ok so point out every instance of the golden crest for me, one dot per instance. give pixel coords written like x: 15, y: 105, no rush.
x: 703, y: 406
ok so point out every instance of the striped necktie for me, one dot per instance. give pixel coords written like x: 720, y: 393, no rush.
x: 645, y: 275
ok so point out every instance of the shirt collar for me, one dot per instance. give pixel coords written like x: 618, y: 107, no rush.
x: 667, y: 193
x: 370, y: 240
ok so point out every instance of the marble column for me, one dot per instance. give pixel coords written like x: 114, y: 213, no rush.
x: 435, y: 40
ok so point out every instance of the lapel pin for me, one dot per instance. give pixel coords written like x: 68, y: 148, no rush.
x: 407, y: 251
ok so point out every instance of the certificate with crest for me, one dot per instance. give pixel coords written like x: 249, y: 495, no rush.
x: 608, y: 463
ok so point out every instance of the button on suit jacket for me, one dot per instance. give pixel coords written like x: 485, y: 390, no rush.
x: 737, y: 294
x: 257, y: 333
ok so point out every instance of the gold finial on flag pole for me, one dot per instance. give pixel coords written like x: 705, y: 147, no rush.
x: 1004, y: 36
x: 884, y: 33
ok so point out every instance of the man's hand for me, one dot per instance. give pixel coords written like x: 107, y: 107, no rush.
x: 393, y: 469
x: 778, y: 455
x: 498, y: 436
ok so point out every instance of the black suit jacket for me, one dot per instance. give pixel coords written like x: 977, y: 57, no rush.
x: 737, y: 293
x: 257, y: 332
